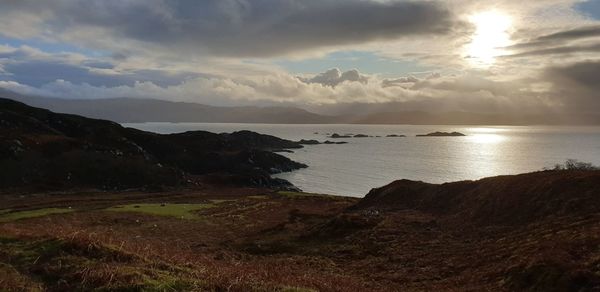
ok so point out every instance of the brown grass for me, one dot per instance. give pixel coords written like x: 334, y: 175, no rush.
x: 256, y: 240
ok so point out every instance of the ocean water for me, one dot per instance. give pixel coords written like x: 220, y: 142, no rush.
x: 364, y: 163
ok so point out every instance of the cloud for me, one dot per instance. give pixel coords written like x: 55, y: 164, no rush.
x: 334, y: 76
x: 577, y: 84
x: 577, y: 33
x: 226, y: 52
x: 593, y: 48
x: 582, y: 39
x: 467, y: 92
x: 403, y: 81
x: 238, y: 28
x: 32, y: 67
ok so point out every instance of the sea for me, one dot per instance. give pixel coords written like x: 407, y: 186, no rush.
x: 355, y: 168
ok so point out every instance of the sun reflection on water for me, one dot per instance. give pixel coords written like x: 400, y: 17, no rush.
x: 486, y: 138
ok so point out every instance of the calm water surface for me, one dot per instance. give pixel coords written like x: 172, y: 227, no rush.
x: 364, y: 163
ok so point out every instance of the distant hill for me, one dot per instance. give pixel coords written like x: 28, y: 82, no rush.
x: 137, y: 110
x: 132, y: 110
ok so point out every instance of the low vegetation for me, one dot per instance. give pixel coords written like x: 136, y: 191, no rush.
x: 530, y: 232
x: 182, y: 211
x: 77, y: 264
x: 7, y: 215
x: 290, y: 194
x: 574, y: 164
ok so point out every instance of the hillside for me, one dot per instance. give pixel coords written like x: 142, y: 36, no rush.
x: 529, y: 232
x: 505, y: 200
x: 132, y: 110
x: 39, y: 148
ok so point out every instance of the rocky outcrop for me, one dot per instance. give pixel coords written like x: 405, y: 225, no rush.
x: 338, y: 136
x: 309, y: 142
x: 315, y: 142
x: 442, y: 134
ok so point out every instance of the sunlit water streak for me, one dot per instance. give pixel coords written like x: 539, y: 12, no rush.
x: 364, y: 163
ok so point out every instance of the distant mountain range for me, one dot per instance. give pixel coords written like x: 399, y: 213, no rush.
x: 136, y: 110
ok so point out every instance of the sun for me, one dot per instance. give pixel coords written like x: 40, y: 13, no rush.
x: 492, y: 33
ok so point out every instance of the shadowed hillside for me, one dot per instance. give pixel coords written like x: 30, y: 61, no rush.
x: 504, y: 200
x: 42, y: 148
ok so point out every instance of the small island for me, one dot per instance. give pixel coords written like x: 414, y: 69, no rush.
x: 338, y: 136
x: 308, y: 142
x: 395, y: 136
x: 337, y: 143
x: 443, y: 134
x: 315, y: 142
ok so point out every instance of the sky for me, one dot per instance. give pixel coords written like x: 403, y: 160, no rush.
x: 487, y: 56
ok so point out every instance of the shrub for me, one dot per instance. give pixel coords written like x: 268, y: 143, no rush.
x: 574, y: 164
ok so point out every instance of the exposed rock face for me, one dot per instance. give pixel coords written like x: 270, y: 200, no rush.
x: 42, y: 148
x: 443, y: 134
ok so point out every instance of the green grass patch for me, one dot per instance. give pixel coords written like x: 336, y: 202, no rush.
x: 18, y: 215
x: 221, y: 201
x: 183, y: 211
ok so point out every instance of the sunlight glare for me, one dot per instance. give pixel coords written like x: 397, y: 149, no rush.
x: 491, y: 34
x: 487, y: 138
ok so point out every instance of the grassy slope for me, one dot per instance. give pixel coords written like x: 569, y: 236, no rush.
x: 256, y: 240
x: 146, y: 246
x: 8, y: 215
x: 183, y: 211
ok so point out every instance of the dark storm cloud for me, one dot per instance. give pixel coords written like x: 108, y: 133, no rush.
x: 37, y: 73
x: 595, y: 48
x: 259, y: 28
x: 577, y: 33
x: 561, y: 42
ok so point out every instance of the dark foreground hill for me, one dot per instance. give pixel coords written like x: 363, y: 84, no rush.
x: 530, y: 232
x: 39, y: 148
x: 504, y: 201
